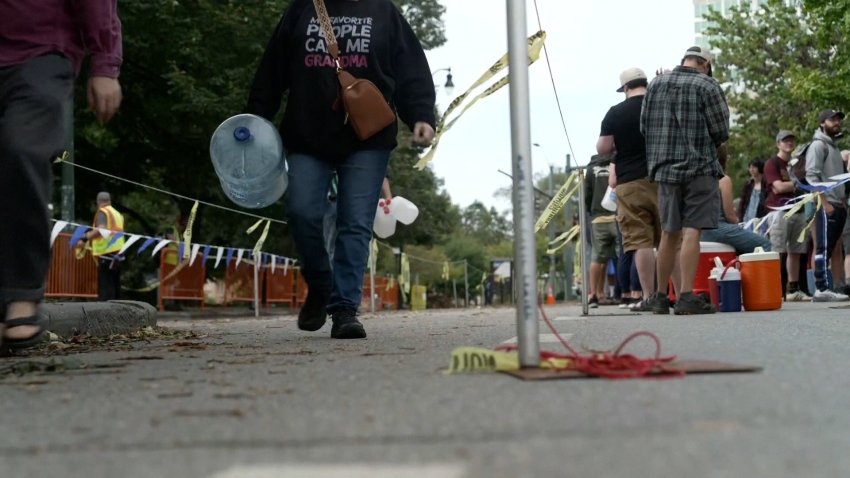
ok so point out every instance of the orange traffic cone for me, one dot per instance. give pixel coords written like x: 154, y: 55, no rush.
x: 550, y: 299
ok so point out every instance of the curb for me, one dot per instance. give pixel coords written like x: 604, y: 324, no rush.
x: 97, y: 319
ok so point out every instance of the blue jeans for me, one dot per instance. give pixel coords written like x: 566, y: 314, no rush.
x: 360, y: 178
x: 742, y: 240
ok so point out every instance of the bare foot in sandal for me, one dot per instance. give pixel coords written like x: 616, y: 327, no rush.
x: 19, y: 310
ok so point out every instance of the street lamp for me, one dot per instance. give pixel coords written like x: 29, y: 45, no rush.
x: 449, y: 86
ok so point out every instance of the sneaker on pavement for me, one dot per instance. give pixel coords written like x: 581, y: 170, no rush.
x: 593, y: 303
x: 659, y: 303
x: 314, y: 312
x: 797, y: 296
x: 692, y: 304
x: 642, y: 305
x: 346, y: 325
x: 828, y: 296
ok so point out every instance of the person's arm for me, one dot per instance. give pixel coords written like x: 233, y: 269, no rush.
x: 612, y: 175
x: 773, y: 177
x: 605, y: 145
x: 717, y: 116
x: 100, y: 30
x: 271, y: 78
x: 744, y: 200
x: 415, y: 97
x: 726, y: 200
x: 815, y: 157
x: 385, y: 189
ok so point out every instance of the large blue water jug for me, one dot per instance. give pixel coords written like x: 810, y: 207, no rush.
x: 248, y: 158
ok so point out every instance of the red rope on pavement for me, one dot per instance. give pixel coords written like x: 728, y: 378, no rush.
x: 612, y: 365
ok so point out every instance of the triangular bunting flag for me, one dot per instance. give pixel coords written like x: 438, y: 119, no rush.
x: 129, y: 242
x: 195, y: 249
x: 146, y: 244
x: 76, y: 236
x: 218, y: 256
x: 57, y: 228
x: 159, y: 246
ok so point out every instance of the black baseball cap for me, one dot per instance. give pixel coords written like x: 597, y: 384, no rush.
x: 827, y: 114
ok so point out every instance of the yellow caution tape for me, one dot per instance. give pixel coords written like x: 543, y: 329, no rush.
x: 476, y: 359
x: 566, y: 191
x: 564, y: 239
x: 535, y: 44
x: 187, y: 234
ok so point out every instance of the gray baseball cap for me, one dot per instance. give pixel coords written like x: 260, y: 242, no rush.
x: 784, y: 133
x: 700, y: 52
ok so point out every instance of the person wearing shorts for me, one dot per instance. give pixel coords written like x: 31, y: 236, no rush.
x: 786, y: 233
x: 685, y: 121
x: 637, y: 197
x: 603, y: 229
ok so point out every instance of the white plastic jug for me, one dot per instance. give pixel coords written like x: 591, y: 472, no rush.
x: 609, y: 200
x: 404, y: 211
x: 384, y: 225
x: 247, y: 155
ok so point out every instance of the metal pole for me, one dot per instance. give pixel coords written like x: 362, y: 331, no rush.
x: 551, y: 232
x: 257, y: 284
x: 454, y: 290
x: 569, y: 250
x: 528, y: 339
x: 67, y: 189
x: 582, y: 220
x: 372, y: 282
x: 465, y: 284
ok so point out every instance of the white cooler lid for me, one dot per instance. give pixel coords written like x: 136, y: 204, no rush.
x: 759, y: 256
x: 709, y: 247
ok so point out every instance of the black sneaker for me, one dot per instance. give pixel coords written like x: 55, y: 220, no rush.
x: 346, y: 325
x: 593, y: 303
x: 314, y: 313
x: 659, y: 303
x: 691, y: 304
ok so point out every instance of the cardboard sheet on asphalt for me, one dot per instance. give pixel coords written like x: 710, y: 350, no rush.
x: 687, y: 366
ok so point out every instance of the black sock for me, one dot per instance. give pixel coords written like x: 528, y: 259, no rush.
x: 793, y: 287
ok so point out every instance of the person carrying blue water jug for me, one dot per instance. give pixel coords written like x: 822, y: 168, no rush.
x: 375, y: 43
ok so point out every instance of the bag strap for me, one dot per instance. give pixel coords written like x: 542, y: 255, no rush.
x: 330, y: 38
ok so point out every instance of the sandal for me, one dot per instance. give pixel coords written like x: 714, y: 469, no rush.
x: 27, y: 342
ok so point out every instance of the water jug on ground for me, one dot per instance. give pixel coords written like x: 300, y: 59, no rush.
x: 247, y: 155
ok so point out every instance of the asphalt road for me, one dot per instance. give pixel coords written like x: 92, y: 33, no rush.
x: 244, y: 397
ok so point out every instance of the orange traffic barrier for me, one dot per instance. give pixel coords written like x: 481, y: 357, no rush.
x: 69, y: 276
x: 239, y: 282
x: 185, y: 284
x: 280, y: 286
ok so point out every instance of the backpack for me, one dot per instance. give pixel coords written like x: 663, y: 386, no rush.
x: 797, y: 164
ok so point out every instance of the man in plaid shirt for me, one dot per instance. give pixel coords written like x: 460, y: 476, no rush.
x: 685, y: 121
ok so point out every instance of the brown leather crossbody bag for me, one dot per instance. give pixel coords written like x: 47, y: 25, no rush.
x: 365, y: 107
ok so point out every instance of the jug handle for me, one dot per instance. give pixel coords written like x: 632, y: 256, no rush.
x: 733, y: 262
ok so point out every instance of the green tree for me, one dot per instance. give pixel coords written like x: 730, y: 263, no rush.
x: 777, y: 67
x: 187, y: 66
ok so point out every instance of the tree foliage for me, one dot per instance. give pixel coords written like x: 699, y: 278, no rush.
x: 778, y: 69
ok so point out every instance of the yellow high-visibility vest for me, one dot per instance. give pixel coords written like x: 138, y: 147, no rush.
x: 114, y: 223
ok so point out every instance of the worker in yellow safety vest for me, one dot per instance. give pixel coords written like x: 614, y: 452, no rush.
x: 105, y: 247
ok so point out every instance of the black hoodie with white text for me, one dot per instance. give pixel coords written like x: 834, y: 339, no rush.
x: 375, y: 43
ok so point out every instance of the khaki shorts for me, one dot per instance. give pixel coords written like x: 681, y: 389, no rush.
x: 603, y: 238
x: 785, y: 232
x: 695, y: 204
x: 637, y: 213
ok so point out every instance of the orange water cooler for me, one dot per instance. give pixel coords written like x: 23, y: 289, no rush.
x: 761, y: 280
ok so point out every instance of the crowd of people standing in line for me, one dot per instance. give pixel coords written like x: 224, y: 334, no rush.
x: 666, y: 145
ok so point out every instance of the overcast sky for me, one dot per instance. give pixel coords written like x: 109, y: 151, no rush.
x: 589, y: 43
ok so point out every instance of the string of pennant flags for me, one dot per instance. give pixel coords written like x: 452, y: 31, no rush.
x: 186, y: 251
